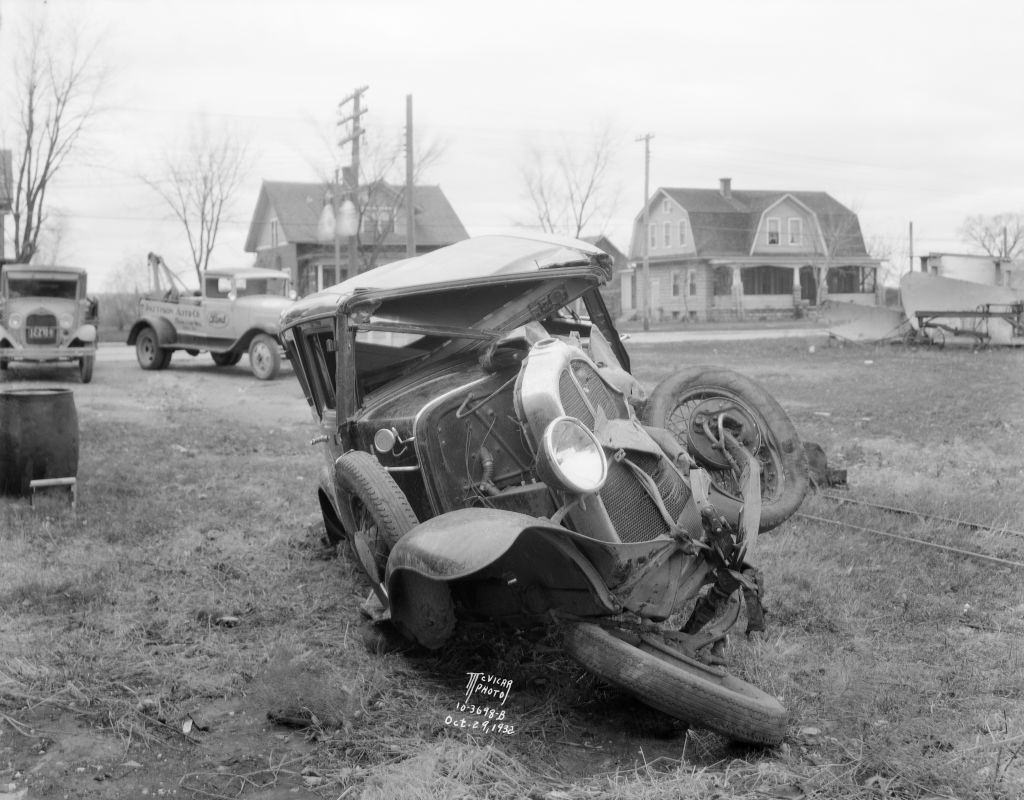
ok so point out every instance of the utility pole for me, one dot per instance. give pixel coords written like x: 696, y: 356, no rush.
x: 354, y: 135
x: 911, y: 240
x: 646, y: 312
x: 337, y: 232
x: 410, y: 210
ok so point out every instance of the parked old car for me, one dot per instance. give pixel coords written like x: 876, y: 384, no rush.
x: 45, y: 315
x: 235, y: 312
x: 489, y: 454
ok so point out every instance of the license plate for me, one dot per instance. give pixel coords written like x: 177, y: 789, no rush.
x: 40, y: 334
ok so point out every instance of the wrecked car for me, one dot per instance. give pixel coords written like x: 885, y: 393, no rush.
x: 46, y: 316
x: 488, y: 454
x: 235, y: 312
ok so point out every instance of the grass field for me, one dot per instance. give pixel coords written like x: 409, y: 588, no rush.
x: 162, y: 638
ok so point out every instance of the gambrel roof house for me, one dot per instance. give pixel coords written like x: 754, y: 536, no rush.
x: 284, y: 232
x: 728, y: 253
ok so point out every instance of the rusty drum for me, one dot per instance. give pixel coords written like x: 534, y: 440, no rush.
x: 38, y: 437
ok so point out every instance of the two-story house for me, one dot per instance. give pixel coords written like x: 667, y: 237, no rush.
x: 285, y: 232
x: 726, y: 254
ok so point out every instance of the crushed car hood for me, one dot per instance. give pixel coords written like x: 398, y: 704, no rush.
x: 472, y: 261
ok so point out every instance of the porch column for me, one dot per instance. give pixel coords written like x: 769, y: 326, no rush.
x: 797, y: 291
x: 626, y: 290
x: 737, y: 292
x: 822, y: 284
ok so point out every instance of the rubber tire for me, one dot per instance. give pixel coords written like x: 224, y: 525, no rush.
x: 228, y: 359
x: 85, y: 365
x: 726, y: 704
x: 366, y: 488
x: 148, y: 351
x: 775, y: 427
x: 264, y: 357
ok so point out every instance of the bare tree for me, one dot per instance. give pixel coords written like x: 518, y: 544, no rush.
x: 567, y: 186
x: 120, y: 301
x: 1000, y: 235
x: 58, y: 82
x: 199, y: 183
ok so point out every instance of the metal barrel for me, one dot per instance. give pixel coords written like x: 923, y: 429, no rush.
x: 38, y: 437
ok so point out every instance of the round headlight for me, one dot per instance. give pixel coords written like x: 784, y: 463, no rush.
x: 384, y: 440
x: 571, y: 458
x: 15, y: 321
x: 65, y: 321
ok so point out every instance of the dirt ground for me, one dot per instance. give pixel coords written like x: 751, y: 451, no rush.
x: 215, y: 473
x: 227, y: 746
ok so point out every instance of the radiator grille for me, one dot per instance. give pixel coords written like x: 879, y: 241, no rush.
x: 41, y: 329
x: 635, y: 516
x: 573, y: 402
x: 598, y: 392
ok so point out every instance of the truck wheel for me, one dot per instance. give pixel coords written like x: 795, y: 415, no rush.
x: 683, y: 401
x: 85, y: 365
x: 703, y: 696
x: 149, y: 352
x: 264, y: 358
x: 228, y: 359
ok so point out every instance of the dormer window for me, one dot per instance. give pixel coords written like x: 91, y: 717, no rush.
x: 796, y: 230
x: 774, y: 230
x: 274, y: 233
x: 682, y: 232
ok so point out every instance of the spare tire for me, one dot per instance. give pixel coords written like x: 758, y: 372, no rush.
x: 682, y: 401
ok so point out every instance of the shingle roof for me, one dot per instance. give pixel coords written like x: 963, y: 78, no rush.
x: 726, y: 226
x: 298, y: 207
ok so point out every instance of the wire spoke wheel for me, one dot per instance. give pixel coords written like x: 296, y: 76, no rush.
x: 705, y: 408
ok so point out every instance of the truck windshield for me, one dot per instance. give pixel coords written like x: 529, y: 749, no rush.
x: 62, y: 288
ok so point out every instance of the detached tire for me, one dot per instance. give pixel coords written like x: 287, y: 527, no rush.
x: 148, y: 351
x: 702, y: 697
x: 680, y: 400
x: 264, y: 358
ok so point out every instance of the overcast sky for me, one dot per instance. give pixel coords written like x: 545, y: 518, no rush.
x: 905, y: 111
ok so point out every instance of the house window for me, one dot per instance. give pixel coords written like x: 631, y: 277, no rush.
x: 796, y: 230
x: 666, y: 206
x: 676, y: 284
x: 691, y: 280
x: 652, y: 237
x: 682, y: 232
x: 667, y: 227
x: 773, y: 230
x: 851, y: 280
x: 274, y: 233
x: 767, y: 280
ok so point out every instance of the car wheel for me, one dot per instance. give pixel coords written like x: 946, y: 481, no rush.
x: 228, y: 359
x: 149, y: 352
x: 662, y: 677
x: 374, y: 510
x: 684, y: 401
x: 85, y: 365
x: 264, y: 357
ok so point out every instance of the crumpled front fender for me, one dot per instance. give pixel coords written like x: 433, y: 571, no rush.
x: 453, y: 545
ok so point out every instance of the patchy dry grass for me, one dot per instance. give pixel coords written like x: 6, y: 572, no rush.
x: 189, y: 586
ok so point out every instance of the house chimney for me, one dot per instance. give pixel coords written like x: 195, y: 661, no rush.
x: 725, y: 187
